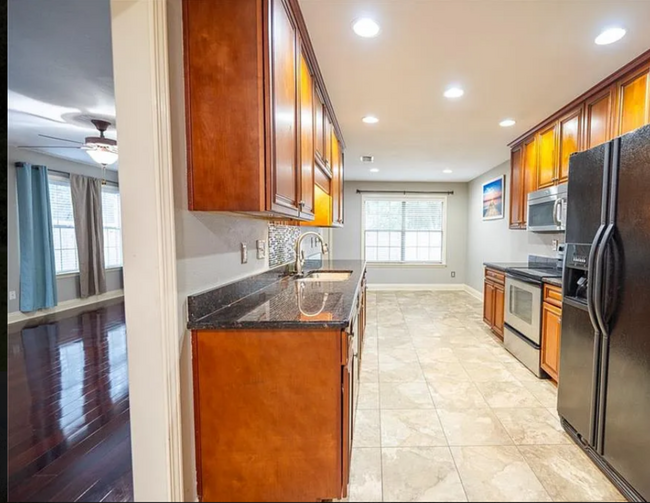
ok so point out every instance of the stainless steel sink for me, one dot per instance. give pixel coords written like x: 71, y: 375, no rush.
x: 326, y: 276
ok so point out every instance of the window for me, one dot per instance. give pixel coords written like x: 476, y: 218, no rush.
x: 65, y: 241
x: 404, y: 229
x: 112, y: 217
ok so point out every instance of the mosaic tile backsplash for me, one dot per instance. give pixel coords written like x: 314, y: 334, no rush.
x: 282, y: 240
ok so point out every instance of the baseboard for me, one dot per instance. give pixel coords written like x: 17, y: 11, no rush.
x: 405, y: 287
x: 17, y: 316
x: 474, y: 293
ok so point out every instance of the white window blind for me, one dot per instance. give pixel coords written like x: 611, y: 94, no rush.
x: 404, y: 229
x: 112, y: 217
x: 65, y: 241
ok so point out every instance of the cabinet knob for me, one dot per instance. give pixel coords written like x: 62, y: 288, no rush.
x: 301, y: 204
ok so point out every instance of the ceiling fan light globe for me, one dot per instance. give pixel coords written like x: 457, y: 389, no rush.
x: 102, y: 155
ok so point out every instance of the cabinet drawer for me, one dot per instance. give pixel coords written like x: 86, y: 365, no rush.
x: 495, y: 276
x: 553, y: 295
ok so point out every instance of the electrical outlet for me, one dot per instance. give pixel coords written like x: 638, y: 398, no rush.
x: 453, y: 274
x: 244, y: 253
x: 261, y: 249
x: 554, y: 244
x: 12, y: 295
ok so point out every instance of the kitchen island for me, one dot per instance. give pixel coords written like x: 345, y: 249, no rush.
x: 276, y: 361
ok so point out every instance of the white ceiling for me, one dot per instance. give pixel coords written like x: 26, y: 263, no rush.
x: 60, y: 73
x: 520, y: 59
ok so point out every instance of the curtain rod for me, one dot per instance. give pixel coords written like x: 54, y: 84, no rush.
x: 66, y: 173
x: 404, y: 192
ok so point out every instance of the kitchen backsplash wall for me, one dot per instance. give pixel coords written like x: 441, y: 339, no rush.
x: 282, y: 241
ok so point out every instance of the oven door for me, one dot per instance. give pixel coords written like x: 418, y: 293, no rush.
x: 523, y: 307
x: 547, y: 214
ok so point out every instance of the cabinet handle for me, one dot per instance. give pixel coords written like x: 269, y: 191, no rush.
x: 301, y: 204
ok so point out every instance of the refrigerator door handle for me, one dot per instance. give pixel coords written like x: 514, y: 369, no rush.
x: 593, y: 278
x: 598, y: 287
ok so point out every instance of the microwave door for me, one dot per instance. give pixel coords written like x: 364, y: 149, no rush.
x: 545, y: 215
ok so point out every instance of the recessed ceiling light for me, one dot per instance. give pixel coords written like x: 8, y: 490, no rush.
x: 609, y: 36
x: 370, y: 119
x: 454, y: 92
x: 507, y: 123
x: 374, y: 170
x: 366, y: 27
x: 447, y: 171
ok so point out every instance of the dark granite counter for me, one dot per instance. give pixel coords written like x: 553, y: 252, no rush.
x: 502, y: 266
x: 275, y: 300
x: 553, y: 281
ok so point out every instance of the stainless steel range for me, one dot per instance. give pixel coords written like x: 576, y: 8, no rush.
x: 523, y: 311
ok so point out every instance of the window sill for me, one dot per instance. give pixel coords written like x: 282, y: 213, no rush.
x: 406, y: 264
x: 76, y: 273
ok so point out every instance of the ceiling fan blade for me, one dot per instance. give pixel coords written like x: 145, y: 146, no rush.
x: 60, y: 139
x: 45, y: 146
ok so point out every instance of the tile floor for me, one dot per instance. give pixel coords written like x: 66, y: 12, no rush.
x: 447, y: 414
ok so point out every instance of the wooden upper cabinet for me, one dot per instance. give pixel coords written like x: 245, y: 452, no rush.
x: 516, y: 188
x: 306, y: 203
x: 569, y: 141
x: 633, y: 104
x: 337, y: 217
x: 598, y: 113
x: 283, y: 71
x: 328, y: 135
x: 255, y: 108
x: 547, y: 159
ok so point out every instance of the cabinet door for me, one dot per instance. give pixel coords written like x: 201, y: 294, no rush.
x: 306, y: 203
x: 488, y: 303
x: 516, y: 188
x: 569, y: 141
x: 499, y: 306
x: 328, y: 132
x: 319, y: 124
x: 551, y: 329
x: 341, y: 182
x: 529, y: 174
x: 598, y: 118
x: 337, y: 217
x: 633, y: 102
x: 547, y: 158
x: 283, y: 53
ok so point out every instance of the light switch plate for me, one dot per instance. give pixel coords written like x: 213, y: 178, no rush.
x: 12, y: 295
x: 261, y: 248
x: 244, y: 253
x: 453, y: 274
x: 554, y: 244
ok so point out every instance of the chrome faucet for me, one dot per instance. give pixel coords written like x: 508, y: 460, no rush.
x: 300, y: 255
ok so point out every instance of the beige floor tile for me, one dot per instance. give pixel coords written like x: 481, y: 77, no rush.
x: 365, y: 475
x: 411, y: 428
x: 429, y: 355
x: 497, y: 473
x: 532, y: 426
x: 507, y: 394
x: 544, y: 390
x: 420, y: 474
x: 568, y: 475
x: 487, y: 371
x: 445, y: 370
x: 474, y: 355
x: 399, y: 371
x: 368, y: 395
x: 369, y: 375
x: 473, y: 427
x: 366, y: 428
x: 454, y: 394
x: 409, y: 395
x: 403, y: 354
x: 519, y: 371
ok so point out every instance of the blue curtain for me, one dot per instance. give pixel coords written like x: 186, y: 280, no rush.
x: 37, y: 270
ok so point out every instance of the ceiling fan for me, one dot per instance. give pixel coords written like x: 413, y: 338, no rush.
x: 101, y: 149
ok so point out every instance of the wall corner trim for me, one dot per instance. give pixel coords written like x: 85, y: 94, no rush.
x: 17, y: 316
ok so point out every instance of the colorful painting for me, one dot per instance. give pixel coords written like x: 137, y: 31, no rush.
x: 493, y: 198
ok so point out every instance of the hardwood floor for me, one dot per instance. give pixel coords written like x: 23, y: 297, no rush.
x: 68, y: 432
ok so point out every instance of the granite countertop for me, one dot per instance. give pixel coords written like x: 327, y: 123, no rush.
x: 553, y: 281
x: 502, y: 266
x: 275, y: 300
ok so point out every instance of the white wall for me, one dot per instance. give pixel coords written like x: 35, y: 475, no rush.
x: 347, y: 241
x: 68, y: 284
x: 492, y: 240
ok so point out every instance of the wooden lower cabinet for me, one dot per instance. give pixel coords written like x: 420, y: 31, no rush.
x: 274, y: 411
x: 494, y: 300
x: 551, y: 331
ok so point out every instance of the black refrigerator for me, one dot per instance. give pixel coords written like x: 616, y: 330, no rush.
x: 604, y: 386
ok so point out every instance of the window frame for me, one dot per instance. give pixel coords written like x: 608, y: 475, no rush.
x: 57, y: 178
x: 405, y: 197
x: 117, y: 190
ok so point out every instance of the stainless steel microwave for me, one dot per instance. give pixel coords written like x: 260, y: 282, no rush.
x: 547, y: 209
